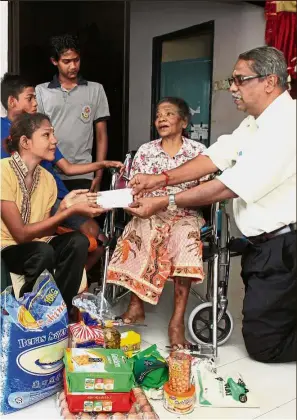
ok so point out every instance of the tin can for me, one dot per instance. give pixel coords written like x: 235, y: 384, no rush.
x: 179, y: 403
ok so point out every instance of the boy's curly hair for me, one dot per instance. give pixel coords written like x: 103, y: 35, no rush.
x: 61, y: 43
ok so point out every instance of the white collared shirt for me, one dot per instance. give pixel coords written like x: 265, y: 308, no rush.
x: 258, y: 161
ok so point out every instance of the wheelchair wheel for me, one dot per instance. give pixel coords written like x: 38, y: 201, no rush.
x: 200, y: 325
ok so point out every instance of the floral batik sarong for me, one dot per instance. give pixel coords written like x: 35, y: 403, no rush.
x: 150, y: 251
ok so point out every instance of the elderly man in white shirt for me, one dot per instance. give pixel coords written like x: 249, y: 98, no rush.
x: 258, y: 164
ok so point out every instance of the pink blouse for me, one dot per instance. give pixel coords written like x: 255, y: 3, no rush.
x: 152, y: 159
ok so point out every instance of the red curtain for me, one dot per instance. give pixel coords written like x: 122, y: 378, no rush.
x: 281, y: 30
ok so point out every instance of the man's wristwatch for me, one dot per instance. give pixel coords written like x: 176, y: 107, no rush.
x: 172, y: 205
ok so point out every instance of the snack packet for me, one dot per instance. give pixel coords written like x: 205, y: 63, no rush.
x: 150, y: 368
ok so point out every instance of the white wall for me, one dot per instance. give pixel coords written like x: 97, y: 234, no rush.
x: 238, y: 27
x: 3, y: 42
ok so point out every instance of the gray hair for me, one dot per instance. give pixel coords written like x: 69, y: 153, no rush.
x: 268, y: 60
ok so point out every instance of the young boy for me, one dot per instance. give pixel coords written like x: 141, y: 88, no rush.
x: 18, y: 96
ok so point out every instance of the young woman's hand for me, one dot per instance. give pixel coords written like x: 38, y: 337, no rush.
x: 75, y: 196
x: 88, y: 209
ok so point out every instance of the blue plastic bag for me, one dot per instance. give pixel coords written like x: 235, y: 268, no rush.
x: 34, y: 334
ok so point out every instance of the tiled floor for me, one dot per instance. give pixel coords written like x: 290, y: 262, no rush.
x: 274, y: 385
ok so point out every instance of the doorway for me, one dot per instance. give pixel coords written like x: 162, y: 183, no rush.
x: 182, y: 67
x: 103, y: 29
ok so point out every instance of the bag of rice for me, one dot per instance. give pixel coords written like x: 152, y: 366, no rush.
x: 34, y: 336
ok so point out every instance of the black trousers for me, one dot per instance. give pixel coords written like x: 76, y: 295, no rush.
x: 270, y: 304
x: 66, y: 254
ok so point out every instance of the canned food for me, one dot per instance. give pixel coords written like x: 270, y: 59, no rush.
x: 179, y: 403
x: 179, y: 372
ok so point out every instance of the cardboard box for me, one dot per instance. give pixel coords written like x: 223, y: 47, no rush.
x: 104, y: 402
x: 96, y: 369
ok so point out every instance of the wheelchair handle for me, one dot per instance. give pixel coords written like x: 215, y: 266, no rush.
x: 113, y: 170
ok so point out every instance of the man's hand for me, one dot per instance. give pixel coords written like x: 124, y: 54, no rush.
x: 95, y: 186
x: 147, y: 207
x: 143, y: 184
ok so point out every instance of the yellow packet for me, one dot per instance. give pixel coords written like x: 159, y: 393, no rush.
x: 130, y: 343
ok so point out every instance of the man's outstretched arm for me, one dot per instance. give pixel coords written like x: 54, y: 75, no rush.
x: 203, y: 195
x: 192, y: 170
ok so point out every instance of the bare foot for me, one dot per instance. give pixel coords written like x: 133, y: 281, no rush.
x: 135, y: 312
x: 176, y: 332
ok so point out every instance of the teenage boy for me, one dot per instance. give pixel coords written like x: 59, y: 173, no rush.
x: 76, y: 107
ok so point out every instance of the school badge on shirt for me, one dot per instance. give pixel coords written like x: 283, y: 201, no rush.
x: 86, y: 113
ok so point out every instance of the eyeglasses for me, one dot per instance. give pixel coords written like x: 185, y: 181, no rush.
x: 238, y: 80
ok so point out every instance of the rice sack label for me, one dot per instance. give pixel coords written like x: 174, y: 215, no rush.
x: 34, y: 336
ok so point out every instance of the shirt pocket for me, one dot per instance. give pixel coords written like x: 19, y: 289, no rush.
x: 86, y: 113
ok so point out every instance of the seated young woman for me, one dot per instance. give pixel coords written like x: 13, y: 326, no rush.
x: 167, y: 245
x: 28, y: 193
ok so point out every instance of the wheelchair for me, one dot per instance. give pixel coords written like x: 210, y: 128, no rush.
x: 210, y: 324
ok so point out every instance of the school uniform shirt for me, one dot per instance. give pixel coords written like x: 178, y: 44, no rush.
x: 49, y: 166
x: 258, y: 161
x: 73, y: 114
x: 33, y: 205
x: 5, y: 129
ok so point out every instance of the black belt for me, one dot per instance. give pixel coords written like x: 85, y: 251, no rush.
x: 264, y: 237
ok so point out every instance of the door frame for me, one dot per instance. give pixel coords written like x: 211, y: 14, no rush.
x: 201, y: 29
x: 13, y: 54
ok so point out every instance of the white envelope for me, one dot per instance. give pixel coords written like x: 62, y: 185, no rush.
x: 115, y: 198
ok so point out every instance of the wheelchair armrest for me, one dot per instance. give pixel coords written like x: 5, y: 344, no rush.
x: 93, y: 241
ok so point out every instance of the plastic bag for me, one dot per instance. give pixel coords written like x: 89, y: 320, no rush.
x: 94, y: 309
x: 214, y: 390
x: 34, y: 336
x: 150, y: 368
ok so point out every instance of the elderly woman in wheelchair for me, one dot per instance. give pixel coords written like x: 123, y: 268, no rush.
x: 167, y: 245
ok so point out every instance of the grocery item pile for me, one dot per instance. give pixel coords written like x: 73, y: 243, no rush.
x: 98, y: 372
